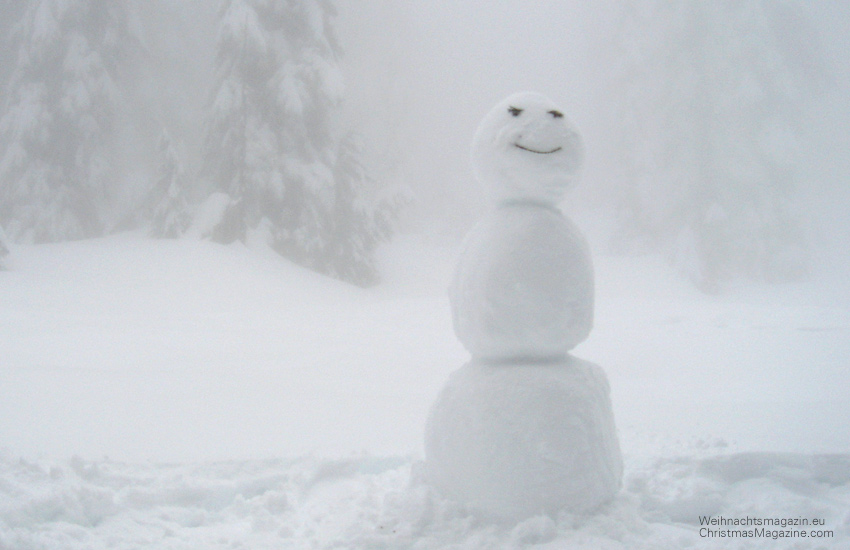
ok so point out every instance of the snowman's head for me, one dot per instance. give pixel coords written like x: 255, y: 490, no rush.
x: 527, y: 149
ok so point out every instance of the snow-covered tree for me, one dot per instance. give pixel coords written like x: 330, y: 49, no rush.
x: 10, y: 13
x: 4, y: 250
x: 164, y: 210
x: 169, y: 206
x: 708, y: 117
x: 58, y: 124
x: 360, y: 219
x: 273, y: 145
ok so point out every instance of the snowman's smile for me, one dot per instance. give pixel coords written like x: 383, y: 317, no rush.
x: 555, y: 150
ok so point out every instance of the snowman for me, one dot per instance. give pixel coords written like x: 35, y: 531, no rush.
x: 524, y: 428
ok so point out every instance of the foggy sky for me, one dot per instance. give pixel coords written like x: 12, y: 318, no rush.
x: 422, y: 74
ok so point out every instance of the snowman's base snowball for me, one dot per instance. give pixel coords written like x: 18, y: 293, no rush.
x: 517, y: 440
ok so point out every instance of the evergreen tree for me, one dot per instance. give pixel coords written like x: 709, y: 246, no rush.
x: 10, y: 13
x: 708, y: 118
x: 57, y: 150
x: 272, y: 144
x: 360, y: 219
x: 4, y: 251
x: 167, y: 203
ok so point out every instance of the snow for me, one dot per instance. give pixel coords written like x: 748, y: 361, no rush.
x: 210, y: 214
x: 241, y: 25
x: 526, y: 149
x: 523, y: 286
x: 174, y: 346
x: 524, y: 428
x: 517, y: 439
x: 180, y: 393
x: 4, y: 250
x: 383, y: 503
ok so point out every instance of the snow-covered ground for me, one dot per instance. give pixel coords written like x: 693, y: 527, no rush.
x: 183, y: 394
x: 383, y: 504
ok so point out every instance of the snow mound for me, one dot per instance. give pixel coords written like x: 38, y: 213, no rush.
x: 515, y: 440
x: 209, y: 216
x: 385, y: 503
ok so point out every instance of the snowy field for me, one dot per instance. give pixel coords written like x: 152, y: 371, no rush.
x: 184, y: 394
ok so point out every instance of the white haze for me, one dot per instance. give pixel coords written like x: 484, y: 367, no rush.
x: 422, y: 74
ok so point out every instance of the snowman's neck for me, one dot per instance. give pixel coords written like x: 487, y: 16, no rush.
x: 529, y: 203
x: 519, y: 360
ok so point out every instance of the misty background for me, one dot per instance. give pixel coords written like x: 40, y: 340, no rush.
x: 604, y: 64
x: 642, y: 80
x: 714, y: 133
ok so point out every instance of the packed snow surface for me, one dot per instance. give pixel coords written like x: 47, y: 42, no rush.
x: 515, y: 440
x: 183, y: 394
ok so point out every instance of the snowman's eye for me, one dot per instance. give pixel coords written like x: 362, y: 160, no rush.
x: 556, y: 114
x: 514, y: 111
